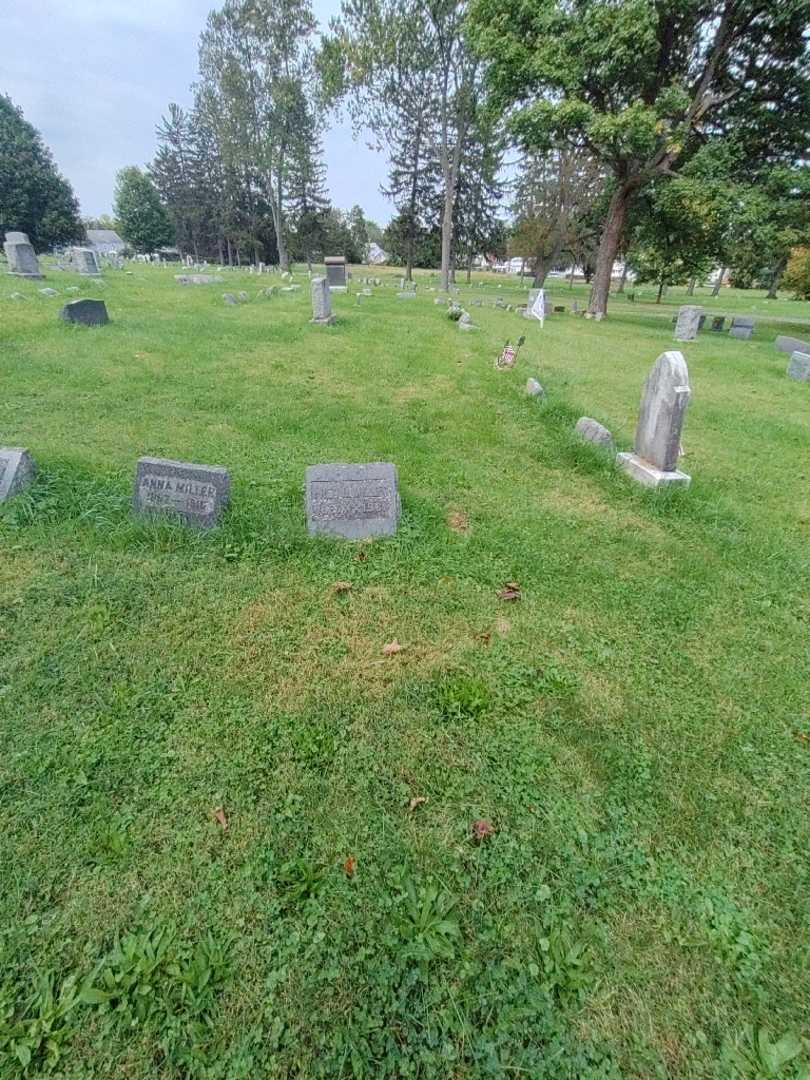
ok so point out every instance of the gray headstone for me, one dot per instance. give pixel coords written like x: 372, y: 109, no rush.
x: 741, y: 332
x: 408, y: 294
x: 336, y: 272
x: 48, y: 292
x: 791, y: 345
x: 745, y: 321
x: 321, y: 302
x: 86, y: 312
x: 660, y: 422
x: 352, y: 501
x: 593, y: 432
x: 22, y: 261
x: 534, y: 389
x: 718, y: 322
x: 687, y: 324
x: 799, y: 366
x: 84, y: 260
x: 229, y: 299
x: 243, y: 296
x: 17, y: 470
x: 194, y: 494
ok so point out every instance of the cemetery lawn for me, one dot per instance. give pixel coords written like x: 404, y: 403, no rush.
x: 236, y: 836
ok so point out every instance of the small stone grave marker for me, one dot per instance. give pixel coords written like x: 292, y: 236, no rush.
x: 799, y: 366
x: 718, y: 322
x: 17, y: 470
x: 85, y: 312
x: 352, y: 501
x: 196, y: 494
x: 534, y: 389
x: 593, y: 432
x: 742, y: 327
x: 791, y: 345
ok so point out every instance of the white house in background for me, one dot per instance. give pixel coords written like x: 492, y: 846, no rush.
x: 375, y: 256
x: 105, y: 241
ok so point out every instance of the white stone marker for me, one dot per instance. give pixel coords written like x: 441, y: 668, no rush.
x: 799, y: 366
x: 660, y: 421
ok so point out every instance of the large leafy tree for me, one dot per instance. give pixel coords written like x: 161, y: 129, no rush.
x: 413, y: 80
x: 555, y: 192
x: 638, y: 83
x: 256, y: 66
x: 144, y: 221
x: 34, y: 197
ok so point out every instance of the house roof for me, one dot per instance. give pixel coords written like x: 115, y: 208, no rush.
x: 103, y: 236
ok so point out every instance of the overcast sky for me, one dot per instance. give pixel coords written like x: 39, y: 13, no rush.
x: 95, y: 77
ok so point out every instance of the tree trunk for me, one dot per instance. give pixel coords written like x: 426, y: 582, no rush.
x: 571, y: 275
x: 522, y: 269
x: 540, y: 271
x: 719, y: 281
x: 623, y: 278
x: 691, y: 290
x: 230, y: 253
x: 777, y: 277
x: 469, y: 267
x: 661, y: 287
x: 447, y: 237
x: 608, y: 246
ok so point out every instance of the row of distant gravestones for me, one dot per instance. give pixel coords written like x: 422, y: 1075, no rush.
x: 355, y: 501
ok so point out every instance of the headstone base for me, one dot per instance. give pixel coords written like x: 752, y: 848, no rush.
x: 644, y: 473
x: 328, y: 321
x: 22, y: 274
x: 338, y: 288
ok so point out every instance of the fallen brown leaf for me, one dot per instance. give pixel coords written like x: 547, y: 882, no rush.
x: 485, y: 638
x: 801, y: 737
x: 391, y: 647
x: 361, y: 556
x: 510, y: 591
x: 348, y: 867
x: 341, y: 586
x: 481, y: 829
x: 219, y: 817
x: 458, y: 521
x: 417, y: 800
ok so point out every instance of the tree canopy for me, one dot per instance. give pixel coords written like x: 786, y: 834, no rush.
x: 144, y: 221
x: 34, y: 197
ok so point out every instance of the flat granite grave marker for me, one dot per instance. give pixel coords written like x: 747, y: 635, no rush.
x: 352, y: 501
x: 688, y: 321
x: 718, y: 322
x: 321, y: 302
x: 22, y: 260
x: 17, y: 470
x: 799, y: 366
x: 336, y: 272
x: 85, y: 312
x: 660, y: 421
x: 196, y: 494
x: 791, y: 345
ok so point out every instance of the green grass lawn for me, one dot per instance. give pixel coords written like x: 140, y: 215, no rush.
x: 636, y: 727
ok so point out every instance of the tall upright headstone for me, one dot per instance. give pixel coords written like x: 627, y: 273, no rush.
x: 321, y: 302
x: 688, y: 322
x: 17, y: 470
x: 336, y: 272
x: 22, y: 261
x: 660, y: 422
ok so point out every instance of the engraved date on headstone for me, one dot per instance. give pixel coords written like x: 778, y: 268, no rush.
x: 196, y: 494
